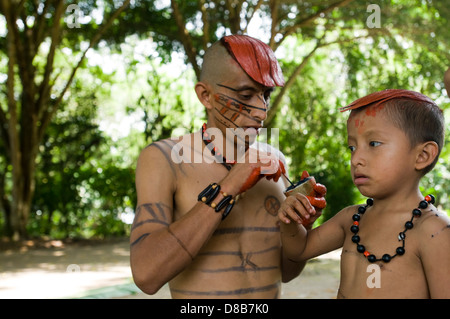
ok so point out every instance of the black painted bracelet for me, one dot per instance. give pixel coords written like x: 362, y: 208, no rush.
x: 210, y: 193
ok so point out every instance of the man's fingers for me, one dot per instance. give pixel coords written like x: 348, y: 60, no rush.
x: 304, y: 175
x: 320, y: 190
x: 318, y: 202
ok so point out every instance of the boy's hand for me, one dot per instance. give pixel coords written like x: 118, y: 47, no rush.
x: 299, y: 209
x: 304, y: 209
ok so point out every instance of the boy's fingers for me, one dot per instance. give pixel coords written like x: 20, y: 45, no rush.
x: 305, y: 202
x: 301, y: 210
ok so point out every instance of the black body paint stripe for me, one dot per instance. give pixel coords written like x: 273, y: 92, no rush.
x: 241, y: 291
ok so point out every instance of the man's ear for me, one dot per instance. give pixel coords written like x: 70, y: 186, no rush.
x: 204, y: 94
x: 426, y: 154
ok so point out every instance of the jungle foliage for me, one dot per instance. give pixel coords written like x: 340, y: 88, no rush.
x: 84, y: 88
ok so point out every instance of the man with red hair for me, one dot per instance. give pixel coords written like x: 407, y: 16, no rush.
x: 190, y: 228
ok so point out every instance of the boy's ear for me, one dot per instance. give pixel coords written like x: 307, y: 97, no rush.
x: 204, y: 94
x: 426, y: 154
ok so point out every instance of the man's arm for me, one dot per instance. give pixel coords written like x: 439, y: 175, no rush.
x: 161, y: 248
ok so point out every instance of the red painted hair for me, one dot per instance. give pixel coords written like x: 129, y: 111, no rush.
x: 256, y: 58
x: 381, y: 97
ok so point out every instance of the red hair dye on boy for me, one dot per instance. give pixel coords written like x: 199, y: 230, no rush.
x: 256, y: 58
x: 379, y: 98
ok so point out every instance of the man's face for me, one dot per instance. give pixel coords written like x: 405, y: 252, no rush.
x: 240, y: 104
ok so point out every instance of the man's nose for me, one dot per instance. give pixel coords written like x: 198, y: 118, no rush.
x: 259, y: 112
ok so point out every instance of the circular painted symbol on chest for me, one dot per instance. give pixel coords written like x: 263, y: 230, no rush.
x: 272, y: 205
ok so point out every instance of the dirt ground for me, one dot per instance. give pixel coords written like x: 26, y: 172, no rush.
x: 54, y: 269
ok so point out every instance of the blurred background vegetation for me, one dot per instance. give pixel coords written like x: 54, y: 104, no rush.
x: 85, y: 85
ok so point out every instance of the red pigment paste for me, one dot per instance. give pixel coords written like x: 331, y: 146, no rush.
x: 381, y: 97
x: 256, y: 58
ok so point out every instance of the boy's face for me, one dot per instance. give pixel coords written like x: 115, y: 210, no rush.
x: 382, y: 159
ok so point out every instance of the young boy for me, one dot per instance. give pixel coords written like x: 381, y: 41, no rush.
x: 397, y: 245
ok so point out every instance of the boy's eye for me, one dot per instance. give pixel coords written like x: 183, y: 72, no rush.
x: 374, y: 143
x: 352, y: 148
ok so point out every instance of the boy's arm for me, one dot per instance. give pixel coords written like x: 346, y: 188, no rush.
x: 435, y: 255
x: 300, y: 244
x: 329, y: 236
x: 294, y: 210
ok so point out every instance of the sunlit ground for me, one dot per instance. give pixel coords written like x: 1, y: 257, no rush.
x: 102, y: 271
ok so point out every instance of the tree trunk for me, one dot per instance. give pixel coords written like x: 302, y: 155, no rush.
x: 30, y: 109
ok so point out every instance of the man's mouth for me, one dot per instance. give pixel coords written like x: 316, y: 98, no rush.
x: 251, y: 130
x: 253, y: 127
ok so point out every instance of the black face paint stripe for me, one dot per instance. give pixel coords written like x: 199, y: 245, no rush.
x: 244, y: 104
x: 223, y: 102
x: 243, y: 89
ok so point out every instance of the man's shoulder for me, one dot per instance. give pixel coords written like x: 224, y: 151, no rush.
x: 174, y: 149
x: 167, y: 144
x: 265, y: 147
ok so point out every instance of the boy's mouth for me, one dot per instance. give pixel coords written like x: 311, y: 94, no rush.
x: 360, y: 179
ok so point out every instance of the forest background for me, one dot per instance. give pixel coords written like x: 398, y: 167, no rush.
x: 85, y: 85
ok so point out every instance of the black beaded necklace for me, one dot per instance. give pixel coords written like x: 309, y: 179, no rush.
x: 214, y: 150
x: 401, y: 236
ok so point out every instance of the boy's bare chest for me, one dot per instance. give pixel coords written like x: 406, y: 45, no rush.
x: 401, y: 277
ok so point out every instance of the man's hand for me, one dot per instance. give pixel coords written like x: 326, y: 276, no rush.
x: 272, y: 170
x: 317, y: 197
x: 252, y: 167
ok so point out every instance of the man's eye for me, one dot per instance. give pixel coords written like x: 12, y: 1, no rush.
x: 245, y: 96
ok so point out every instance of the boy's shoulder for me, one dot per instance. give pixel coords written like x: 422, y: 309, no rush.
x: 434, y: 223
x: 433, y: 229
x: 344, y: 216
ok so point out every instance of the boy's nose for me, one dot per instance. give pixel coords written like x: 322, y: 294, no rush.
x: 357, y: 158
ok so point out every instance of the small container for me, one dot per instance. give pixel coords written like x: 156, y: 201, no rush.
x: 305, y: 187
